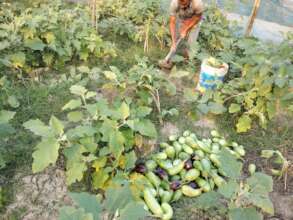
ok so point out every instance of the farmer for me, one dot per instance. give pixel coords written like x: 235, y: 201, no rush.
x: 185, y: 16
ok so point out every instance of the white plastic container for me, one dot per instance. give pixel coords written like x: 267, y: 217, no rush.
x: 210, y: 77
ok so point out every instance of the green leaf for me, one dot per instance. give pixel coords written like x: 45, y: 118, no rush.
x: 100, y: 178
x: 234, y: 108
x: 17, y: 59
x: 38, y: 128
x: 13, y: 102
x: 108, y: 127
x: 144, y: 127
x: 35, y: 44
x: 75, y: 164
x: 244, y: 124
x: 216, y: 108
x: 84, y: 69
x: 133, y: 211
x: 81, y: 131
x: 116, y: 143
x: 90, y: 143
x: 244, y: 214
x: 72, y: 104
x: 208, y: 200
x: 130, y: 159
x: 143, y: 111
x: 70, y: 213
x: 75, y: 116
x: 125, y: 111
x: 78, y: 90
x: 229, y: 189
x: 6, y: 116
x: 90, y: 95
x: 118, y: 198
x: 6, y: 130
x: 262, y: 201
x: 56, y: 125
x: 46, y: 153
x: 88, y: 202
x: 110, y: 75
x: 229, y: 164
x: 261, y: 179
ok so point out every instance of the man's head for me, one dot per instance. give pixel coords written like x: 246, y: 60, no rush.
x: 184, y: 3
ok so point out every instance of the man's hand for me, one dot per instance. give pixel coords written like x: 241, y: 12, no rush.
x: 173, y: 46
x: 183, y: 33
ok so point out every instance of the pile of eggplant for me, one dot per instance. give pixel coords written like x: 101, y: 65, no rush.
x: 184, y: 166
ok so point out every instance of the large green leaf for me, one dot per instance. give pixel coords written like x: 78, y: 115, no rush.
x: 81, y: 131
x: 72, y: 104
x: 208, y: 200
x: 133, y: 211
x: 229, y: 164
x: 6, y: 116
x: 216, y: 108
x: 56, y: 125
x: 38, y: 128
x: 244, y: 124
x: 229, y: 189
x: 70, y: 213
x: 118, y: 198
x: 234, y: 108
x: 261, y: 179
x: 75, y: 116
x: 88, y: 202
x: 108, y: 127
x: 124, y: 110
x: 244, y: 214
x: 6, y: 130
x: 142, y: 111
x: 262, y: 201
x: 116, y: 143
x: 18, y: 59
x: 75, y: 163
x: 130, y: 159
x: 75, y: 172
x: 144, y: 127
x: 100, y: 178
x: 35, y: 44
x: 13, y: 102
x: 46, y: 153
x: 78, y: 90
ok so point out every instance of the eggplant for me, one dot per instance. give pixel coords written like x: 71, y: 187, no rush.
x: 140, y: 168
x: 161, y: 173
x: 193, y: 185
x: 176, y: 184
x: 188, y: 165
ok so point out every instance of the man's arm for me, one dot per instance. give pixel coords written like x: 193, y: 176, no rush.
x: 190, y: 24
x: 173, y: 30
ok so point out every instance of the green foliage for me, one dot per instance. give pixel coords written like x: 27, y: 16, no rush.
x: 242, y: 197
x: 98, y: 136
x: 30, y: 40
x: 139, y: 20
x: 118, y: 203
x: 230, y: 165
x: 258, y: 83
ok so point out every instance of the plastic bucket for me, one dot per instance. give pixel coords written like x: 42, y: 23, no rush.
x: 210, y: 76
